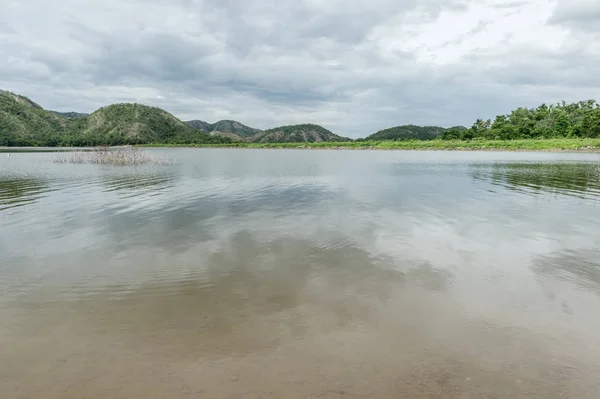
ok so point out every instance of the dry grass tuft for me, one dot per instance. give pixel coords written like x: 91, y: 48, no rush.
x: 122, y: 156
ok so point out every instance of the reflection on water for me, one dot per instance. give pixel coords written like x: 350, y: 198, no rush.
x: 576, y: 179
x: 238, y: 298
x: 579, y: 267
x: 19, y: 191
x: 139, y: 183
x: 292, y: 274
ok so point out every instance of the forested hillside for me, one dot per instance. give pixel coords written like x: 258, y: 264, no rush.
x: 25, y: 123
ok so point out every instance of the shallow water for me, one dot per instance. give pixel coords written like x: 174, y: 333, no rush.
x: 301, y: 274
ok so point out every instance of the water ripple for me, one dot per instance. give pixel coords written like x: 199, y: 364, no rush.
x: 581, y: 180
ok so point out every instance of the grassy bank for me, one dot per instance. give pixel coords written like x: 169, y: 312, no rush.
x: 579, y: 145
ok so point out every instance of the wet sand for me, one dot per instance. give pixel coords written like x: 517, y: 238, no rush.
x: 286, y: 334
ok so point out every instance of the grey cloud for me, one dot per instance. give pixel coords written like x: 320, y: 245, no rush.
x: 289, y: 22
x: 508, y: 4
x: 578, y: 14
x: 481, y: 25
x: 572, y: 67
x: 270, y: 63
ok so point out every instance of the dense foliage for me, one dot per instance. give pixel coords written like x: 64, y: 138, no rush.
x: 70, y: 114
x: 581, y: 119
x: 409, y: 132
x: 24, y: 123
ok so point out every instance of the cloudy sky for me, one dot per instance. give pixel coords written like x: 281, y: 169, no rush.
x: 353, y: 66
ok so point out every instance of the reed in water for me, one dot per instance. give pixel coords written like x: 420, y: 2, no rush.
x: 122, y: 156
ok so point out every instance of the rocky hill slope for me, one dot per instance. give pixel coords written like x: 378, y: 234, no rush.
x: 233, y: 130
x: 306, y: 133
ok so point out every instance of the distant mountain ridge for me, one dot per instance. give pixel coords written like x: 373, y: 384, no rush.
x: 25, y: 123
x: 200, y: 125
x: 236, y: 131
x: 224, y: 128
x: 307, y: 133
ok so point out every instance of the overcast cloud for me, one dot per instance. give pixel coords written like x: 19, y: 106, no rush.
x: 353, y: 66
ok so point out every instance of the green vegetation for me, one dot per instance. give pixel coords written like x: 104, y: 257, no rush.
x: 70, y: 114
x: 574, y: 127
x: 200, y: 125
x: 411, y: 132
x: 121, y: 124
x: 581, y: 119
x: 592, y: 145
x: 234, y: 127
x: 25, y: 123
x: 306, y: 133
x: 224, y: 127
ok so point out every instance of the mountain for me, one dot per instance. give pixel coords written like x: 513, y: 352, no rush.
x: 407, y: 132
x: 228, y: 126
x: 70, y: 114
x: 25, y: 123
x: 134, y: 124
x: 307, y: 133
x: 234, y: 130
x: 200, y: 125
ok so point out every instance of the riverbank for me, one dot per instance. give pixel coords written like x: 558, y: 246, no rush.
x: 60, y: 149
x: 567, y: 145
x: 552, y: 145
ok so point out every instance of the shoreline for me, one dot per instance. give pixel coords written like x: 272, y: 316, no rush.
x: 557, y: 145
x: 578, y: 150
x: 530, y: 145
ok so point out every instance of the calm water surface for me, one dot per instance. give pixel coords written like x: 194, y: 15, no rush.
x: 301, y: 274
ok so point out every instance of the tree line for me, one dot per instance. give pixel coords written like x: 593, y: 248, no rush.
x: 576, y: 120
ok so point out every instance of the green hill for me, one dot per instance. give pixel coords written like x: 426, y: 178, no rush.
x: 307, y: 133
x: 408, y: 132
x: 25, y: 123
x: 226, y: 128
x: 200, y: 125
x: 132, y: 124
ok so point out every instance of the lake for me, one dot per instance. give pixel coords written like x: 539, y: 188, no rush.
x: 301, y: 274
